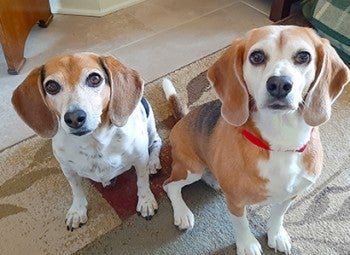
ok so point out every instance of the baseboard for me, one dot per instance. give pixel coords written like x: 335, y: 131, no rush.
x: 95, y: 12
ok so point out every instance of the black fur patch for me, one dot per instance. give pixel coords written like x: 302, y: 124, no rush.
x: 145, y: 105
x: 208, y: 117
x: 42, y: 74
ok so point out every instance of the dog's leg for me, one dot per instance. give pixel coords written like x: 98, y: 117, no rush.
x: 77, y: 213
x: 278, y: 237
x: 245, y: 241
x: 155, y: 143
x: 183, y: 217
x: 147, y: 205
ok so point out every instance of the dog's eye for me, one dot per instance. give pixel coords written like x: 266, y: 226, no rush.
x: 257, y: 57
x: 94, y: 80
x: 52, y: 87
x: 302, y: 57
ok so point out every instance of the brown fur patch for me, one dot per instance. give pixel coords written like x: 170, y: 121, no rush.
x: 313, y: 155
x: 226, y: 75
x: 30, y: 105
x: 126, y: 90
x: 105, y: 121
x: 180, y: 110
x: 70, y: 67
x: 231, y: 158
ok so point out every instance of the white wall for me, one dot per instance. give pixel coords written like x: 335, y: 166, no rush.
x: 89, y: 7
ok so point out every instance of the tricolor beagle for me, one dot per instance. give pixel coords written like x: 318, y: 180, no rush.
x: 261, y: 140
x: 100, y: 127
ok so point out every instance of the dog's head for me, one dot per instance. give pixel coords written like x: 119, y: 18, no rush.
x: 282, y: 69
x: 78, y: 92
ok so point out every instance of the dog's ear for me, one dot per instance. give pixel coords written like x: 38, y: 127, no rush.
x: 226, y: 75
x: 126, y: 90
x: 331, y: 77
x: 28, y: 101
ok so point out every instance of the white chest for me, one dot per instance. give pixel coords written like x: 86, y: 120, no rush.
x: 91, y: 160
x: 286, y: 175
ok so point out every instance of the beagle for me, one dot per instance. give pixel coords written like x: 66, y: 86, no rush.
x: 92, y: 108
x: 260, y: 140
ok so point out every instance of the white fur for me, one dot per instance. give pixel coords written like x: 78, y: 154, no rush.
x: 285, y: 171
x: 278, y: 237
x: 183, y: 217
x: 168, y: 88
x: 245, y: 241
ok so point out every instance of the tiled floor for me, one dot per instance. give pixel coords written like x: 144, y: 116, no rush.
x: 154, y: 37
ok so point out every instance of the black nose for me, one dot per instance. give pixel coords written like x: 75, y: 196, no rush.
x: 75, y: 119
x: 279, y: 86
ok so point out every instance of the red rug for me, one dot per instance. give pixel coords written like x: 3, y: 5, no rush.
x: 123, y: 195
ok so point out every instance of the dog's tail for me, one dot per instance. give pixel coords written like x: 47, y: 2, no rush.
x: 180, y: 109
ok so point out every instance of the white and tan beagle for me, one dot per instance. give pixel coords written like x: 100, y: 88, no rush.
x: 92, y: 108
x: 261, y: 140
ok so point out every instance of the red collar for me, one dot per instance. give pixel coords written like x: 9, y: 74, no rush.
x: 260, y: 143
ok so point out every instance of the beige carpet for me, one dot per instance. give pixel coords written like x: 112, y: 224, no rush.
x: 34, y: 198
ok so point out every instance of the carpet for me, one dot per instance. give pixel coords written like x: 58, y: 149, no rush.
x: 34, y: 198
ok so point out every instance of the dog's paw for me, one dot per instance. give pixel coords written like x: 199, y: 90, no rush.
x: 280, y: 241
x: 147, y: 206
x: 249, y: 246
x: 184, y: 218
x: 76, y: 217
x: 153, y: 164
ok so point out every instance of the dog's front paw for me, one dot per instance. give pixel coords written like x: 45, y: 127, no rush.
x: 184, y: 218
x: 147, y: 206
x: 76, y: 217
x: 153, y: 164
x: 279, y: 240
x: 249, y: 246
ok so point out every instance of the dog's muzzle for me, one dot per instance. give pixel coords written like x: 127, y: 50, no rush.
x: 76, y: 119
x: 278, y: 88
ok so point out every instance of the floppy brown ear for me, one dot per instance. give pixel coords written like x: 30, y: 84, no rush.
x: 126, y: 90
x: 28, y: 101
x: 226, y: 75
x: 331, y: 77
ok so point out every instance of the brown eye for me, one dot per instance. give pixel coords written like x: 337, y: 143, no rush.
x: 52, y: 87
x: 302, y: 57
x: 94, y: 80
x: 257, y: 57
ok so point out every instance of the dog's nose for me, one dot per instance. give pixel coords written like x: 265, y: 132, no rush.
x: 75, y: 119
x: 279, y: 86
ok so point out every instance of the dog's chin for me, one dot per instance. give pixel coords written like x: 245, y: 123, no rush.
x: 280, y: 107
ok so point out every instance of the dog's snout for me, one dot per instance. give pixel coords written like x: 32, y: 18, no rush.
x: 75, y: 119
x: 279, y: 86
